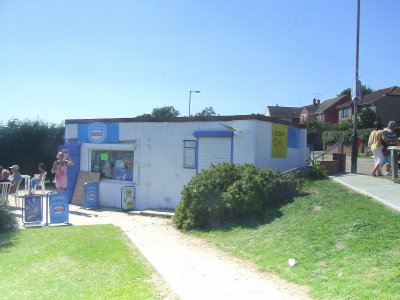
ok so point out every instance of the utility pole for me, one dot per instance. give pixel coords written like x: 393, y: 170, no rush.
x: 356, y: 95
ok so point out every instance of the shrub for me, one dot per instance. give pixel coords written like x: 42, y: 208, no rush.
x: 228, y: 192
x: 7, y: 219
x: 318, y: 171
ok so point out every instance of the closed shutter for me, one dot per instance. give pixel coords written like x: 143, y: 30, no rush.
x: 213, y: 150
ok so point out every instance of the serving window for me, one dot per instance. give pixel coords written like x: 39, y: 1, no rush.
x: 113, y: 164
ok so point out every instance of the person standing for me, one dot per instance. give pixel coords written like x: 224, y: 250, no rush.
x: 390, y: 135
x: 16, y: 178
x: 60, y: 169
x: 375, y: 143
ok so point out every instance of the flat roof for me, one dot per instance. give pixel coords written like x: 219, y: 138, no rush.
x: 258, y: 117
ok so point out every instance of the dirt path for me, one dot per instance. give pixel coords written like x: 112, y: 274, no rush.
x: 193, y: 268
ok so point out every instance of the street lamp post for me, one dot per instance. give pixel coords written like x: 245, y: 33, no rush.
x: 357, y: 94
x: 190, y: 98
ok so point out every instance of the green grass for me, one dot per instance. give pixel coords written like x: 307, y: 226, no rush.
x: 346, y: 245
x: 83, y: 262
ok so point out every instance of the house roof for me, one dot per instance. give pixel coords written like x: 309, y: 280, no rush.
x: 185, y: 119
x: 284, y: 112
x: 329, y: 103
x: 310, y: 108
x: 375, y: 96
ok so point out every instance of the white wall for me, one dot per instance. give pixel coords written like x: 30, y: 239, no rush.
x: 159, y: 174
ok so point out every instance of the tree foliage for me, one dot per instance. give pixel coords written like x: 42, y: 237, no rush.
x: 165, y: 111
x: 365, y: 90
x: 367, y: 118
x: 206, y: 112
x: 314, y: 131
x: 28, y: 143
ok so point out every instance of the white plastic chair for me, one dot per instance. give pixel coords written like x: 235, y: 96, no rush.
x: 4, y: 191
x: 27, y: 183
x: 16, y: 194
x: 41, y: 184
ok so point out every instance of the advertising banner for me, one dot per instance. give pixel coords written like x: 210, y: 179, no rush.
x: 128, y: 197
x: 33, y: 209
x: 90, y: 195
x: 58, y: 208
x: 279, y: 141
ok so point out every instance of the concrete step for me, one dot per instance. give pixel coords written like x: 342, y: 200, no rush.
x: 153, y: 213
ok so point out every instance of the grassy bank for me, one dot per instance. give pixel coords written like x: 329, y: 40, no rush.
x: 346, y: 245
x: 85, y: 262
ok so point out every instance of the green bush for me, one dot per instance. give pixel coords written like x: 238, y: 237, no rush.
x: 7, y: 219
x: 318, y: 171
x: 228, y: 192
x: 345, y: 135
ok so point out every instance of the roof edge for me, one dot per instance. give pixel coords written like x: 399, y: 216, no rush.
x: 258, y: 117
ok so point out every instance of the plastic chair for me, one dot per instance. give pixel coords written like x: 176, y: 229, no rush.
x: 41, y: 184
x: 27, y: 183
x: 4, y: 191
x: 16, y: 194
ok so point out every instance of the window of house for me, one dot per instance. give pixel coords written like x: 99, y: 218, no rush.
x: 189, y: 154
x: 113, y: 164
x: 304, y: 117
x: 345, y: 112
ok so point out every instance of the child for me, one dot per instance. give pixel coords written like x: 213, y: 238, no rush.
x: 37, y: 177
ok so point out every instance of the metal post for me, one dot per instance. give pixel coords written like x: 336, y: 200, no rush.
x: 190, y: 98
x: 354, y: 138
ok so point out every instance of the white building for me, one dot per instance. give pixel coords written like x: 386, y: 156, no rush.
x: 160, y: 155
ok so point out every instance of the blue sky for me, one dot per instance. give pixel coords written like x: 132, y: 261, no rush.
x: 67, y: 59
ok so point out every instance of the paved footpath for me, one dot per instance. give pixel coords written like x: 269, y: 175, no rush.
x: 192, y: 268
x: 381, y: 189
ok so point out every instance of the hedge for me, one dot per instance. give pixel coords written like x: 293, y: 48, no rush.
x: 345, y: 135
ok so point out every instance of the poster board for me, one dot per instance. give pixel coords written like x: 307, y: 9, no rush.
x: 91, y: 195
x: 83, y: 177
x: 279, y: 138
x: 58, y: 208
x: 32, y: 209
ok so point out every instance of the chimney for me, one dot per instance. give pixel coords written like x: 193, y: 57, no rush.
x: 318, y: 102
x: 314, y: 102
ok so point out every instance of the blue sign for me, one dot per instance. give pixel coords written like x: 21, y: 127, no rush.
x: 59, y: 208
x: 33, y: 209
x: 90, y: 195
x: 98, y: 133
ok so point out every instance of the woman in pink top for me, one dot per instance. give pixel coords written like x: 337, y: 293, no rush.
x: 60, y: 169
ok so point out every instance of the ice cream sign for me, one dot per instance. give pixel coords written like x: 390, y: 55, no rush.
x: 90, y: 197
x: 58, y: 208
x: 97, y: 132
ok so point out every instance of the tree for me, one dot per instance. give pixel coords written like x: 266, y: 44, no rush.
x: 365, y: 90
x: 165, y: 111
x: 314, y: 131
x: 206, y: 112
x: 28, y: 143
x: 367, y: 118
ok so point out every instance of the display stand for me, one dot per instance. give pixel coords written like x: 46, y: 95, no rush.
x: 57, y: 209
x: 128, y: 197
x: 32, y: 211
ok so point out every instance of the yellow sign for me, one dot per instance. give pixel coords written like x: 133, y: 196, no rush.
x: 279, y: 141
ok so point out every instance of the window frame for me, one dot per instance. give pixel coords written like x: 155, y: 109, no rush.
x: 191, y: 148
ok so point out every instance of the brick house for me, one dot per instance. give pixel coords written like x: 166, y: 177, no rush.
x: 286, y: 113
x: 325, y: 112
x: 384, y: 102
